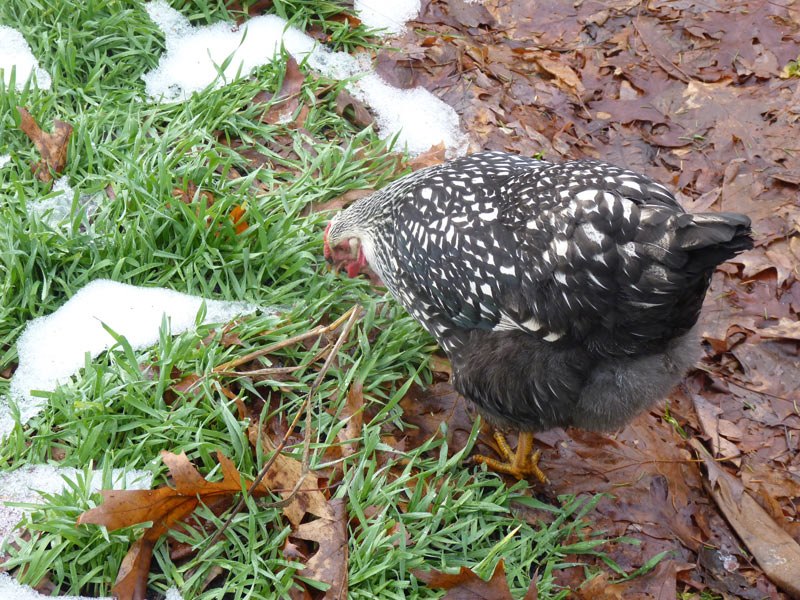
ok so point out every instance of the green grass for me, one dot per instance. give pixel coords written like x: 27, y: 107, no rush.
x: 114, y: 415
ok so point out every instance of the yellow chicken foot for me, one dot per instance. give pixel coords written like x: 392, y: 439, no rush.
x: 521, y: 464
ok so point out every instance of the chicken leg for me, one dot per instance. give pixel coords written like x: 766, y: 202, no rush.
x: 521, y: 464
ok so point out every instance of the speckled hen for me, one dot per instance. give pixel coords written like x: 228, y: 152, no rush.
x: 564, y: 294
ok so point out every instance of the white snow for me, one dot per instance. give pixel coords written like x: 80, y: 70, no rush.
x: 195, y: 54
x: 4, y: 160
x: 24, y: 485
x: 391, y: 16
x: 11, y: 590
x: 52, y: 348
x: 421, y: 119
x: 15, y: 52
x: 55, y: 210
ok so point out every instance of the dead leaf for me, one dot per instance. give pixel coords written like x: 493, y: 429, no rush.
x: 285, y: 102
x: 434, y: 156
x: 51, y: 146
x: 785, y: 328
x: 256, y: 7
x: 237, y: 218
x: 555, y: 65
x: 465, y: 585
x: 284, y: 475
x: 337, y: 203
x: 427, y: 409
x: 354, y: 415
x: 353, y: 110
x: 599, y: 588
x: 774, y: 550
x: 165, y: 507
x: 329, y: 562
x: 708, y: 415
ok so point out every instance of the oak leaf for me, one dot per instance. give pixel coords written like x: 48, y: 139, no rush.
x: 165, y: 507
x: 329, y: 562
x: 465, y: 585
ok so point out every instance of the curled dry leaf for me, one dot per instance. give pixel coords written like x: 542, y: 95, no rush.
x: 329, y: 562
x: 337, y: 203
x: 353, y: 110
x: 51, y: 146
x: 432, y: 157
x: 165, y: 507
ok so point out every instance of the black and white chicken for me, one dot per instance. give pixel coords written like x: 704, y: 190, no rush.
x: 563, y: 294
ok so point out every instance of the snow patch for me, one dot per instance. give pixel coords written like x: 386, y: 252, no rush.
x: 15, y: 52
x: 24, y: 485
x: 420, y: 119
x: 194, y: 55
x: 52, y: 348
x: 11, y: 590
x: 55, y: 210
x: 391, y: 16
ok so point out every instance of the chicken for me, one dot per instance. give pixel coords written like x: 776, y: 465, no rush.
x: 564, y: 294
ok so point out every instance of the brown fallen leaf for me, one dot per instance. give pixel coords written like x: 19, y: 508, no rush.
x: 554, y: 65
x: 354, y: 415
x: 165, y: 507
x: 599, y: 588
x: 51, y: 146
x: 465, y: 585
x: 434, y: 156
x: 427, y: 408
x: 284, y: 475
x: 785, y: 328
x: 337, y: 203
x: 774, y: 549
x: 329, y: 562
x: 709, y: 417
x: 286, y: 101
x: 251, y: 9
x: 353, y: 110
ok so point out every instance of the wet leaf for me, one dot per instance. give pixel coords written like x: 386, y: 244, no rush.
x: 465, y: 585
x: 286, y: 101
x: 353, y: 110
x: 776, y: 552
x: 284, y: 475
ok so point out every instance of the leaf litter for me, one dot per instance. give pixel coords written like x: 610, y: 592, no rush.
x: 692, y: 94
